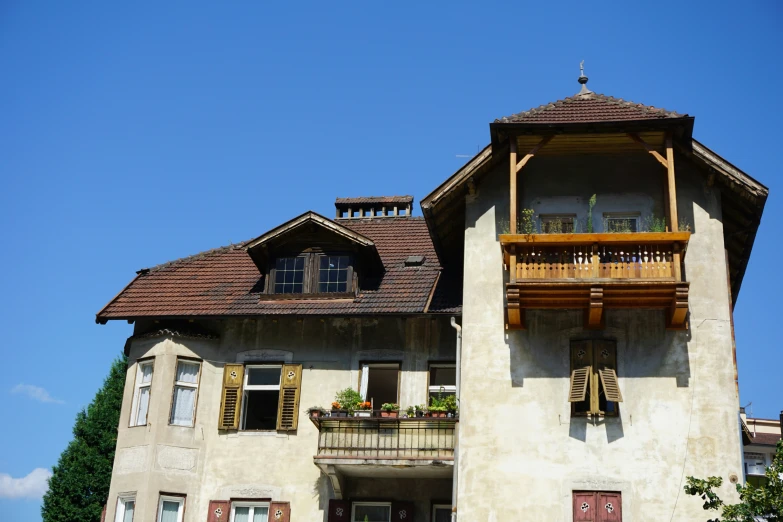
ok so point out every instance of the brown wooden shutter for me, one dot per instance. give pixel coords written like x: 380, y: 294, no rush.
x: 231, y: 397
x: 288, y: 408
x: 339, y: 511
x: 103, y: 513
x: 611, y: 387
x: 580, y: 378
x: 610, y: 508
x: 585, y: 506
x: 219, y: 511
x: 279, y: 512
x: 402, y: 511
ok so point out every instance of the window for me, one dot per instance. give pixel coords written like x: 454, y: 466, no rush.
x: 183, y: 401
x: 597, y: 506
x: 628, y: 222
x: 443, y: 380
x: 141, y: 394
x: 441, y: 513
x: 557, y: 224
x: 379, y: 383
x: 261, y: 397
x: 249, y: 512
x: 312, y: 273
x: 594, y: 388
x: 755, y: 464
x: 170, y: 509
x: 371, y: 512
x: 126, y: 505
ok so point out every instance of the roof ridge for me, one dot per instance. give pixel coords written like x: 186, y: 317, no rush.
x: 205, y: 253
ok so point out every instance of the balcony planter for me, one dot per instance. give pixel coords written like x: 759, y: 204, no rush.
x: 316, y: 411
x: 339, y: 413
x: 392, y: 414
x: 438, y: 414
x: 362, y: 413
x: 389, y: 409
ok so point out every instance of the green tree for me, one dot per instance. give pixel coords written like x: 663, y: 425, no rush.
x: 765, y: 501
x: 79, y: 485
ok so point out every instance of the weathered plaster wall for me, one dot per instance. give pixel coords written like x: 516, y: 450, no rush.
x: 521, y: 455
x: 206, y: 464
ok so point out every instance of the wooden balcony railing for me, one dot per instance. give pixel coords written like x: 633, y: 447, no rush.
x: 596, y: 271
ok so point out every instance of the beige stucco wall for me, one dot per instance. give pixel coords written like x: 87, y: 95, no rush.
x: 521, y: 454
x: 206, y: 464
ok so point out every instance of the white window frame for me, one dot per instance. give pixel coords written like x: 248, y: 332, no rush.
x: 354, y: 504
x: 119, y: 514
x: 137, y: 387
x: 252, y: 505
x: 182, y: 384
x: 755, y: 456
x: 434, y: 389
x: 246, y: 387
x: 628, y: 216
x: 436, y: 507
x: 168, y: 498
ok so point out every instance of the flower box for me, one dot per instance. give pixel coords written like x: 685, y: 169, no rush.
x: 392, y: 414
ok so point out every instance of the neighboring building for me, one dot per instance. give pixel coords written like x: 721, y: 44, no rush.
x: 595, y: 365
x: 759, y: 438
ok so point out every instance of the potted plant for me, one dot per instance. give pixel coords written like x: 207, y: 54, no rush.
x: 410, y: 412
x: 452, y: 405
x: 345, y: 402
x: 419, y: 409
x: 363, y: 409
x: 337, y: 410
x: 437, y: 407
x: 316, y: 411
x: 389, y: 409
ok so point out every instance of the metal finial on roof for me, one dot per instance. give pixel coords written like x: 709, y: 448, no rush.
x: 583, y: 79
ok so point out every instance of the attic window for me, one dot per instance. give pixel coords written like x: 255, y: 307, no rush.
x: 414, y: 260
x: 312, y: 273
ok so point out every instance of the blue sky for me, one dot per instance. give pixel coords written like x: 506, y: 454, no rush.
x: 133, y: 135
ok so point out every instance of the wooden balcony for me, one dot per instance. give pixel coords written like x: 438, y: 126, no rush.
x: 595, y: 272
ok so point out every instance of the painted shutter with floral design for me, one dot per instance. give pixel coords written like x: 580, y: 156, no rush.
x: 219, y: 511
x: 585, y: 508
x: 231, y: 397
x: 288, y: 407
x: 610, y: 508
x: 339, y: 511
x: 279, y: 512
x: 402, y: 511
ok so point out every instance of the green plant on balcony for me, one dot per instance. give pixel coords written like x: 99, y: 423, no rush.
x: 348, y: 399
x: 527, y: 224
x: 316, y: 411
x: 684, y: 225
x: 410, y: 412
x: 653, y: 223
x: 437, y: 407
x: 389, y: 409
x: 452, y: 404
x: 618, y: 226
x: 590, y: 205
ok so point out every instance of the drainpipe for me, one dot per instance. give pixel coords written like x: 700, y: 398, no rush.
x: 458, y: 328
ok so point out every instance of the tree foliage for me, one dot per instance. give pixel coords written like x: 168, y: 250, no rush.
x: 79, y: 485
x: 756, y: 503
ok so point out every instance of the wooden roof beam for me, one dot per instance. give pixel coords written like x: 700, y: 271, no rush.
x: 638, y: 139
x: 532, y: 152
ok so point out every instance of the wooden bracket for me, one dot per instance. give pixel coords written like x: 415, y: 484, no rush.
x: 594, y: 315
x: 678, y: 312
x: 533, y: 152
x: 638, y: 139
x: 515, y: 315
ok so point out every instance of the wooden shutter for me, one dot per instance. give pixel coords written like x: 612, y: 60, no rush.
x: 610, y: 508
x: 339, y: 511
x: 279, y: 512
x: 231, y: 397
x: 402, y: 512
x: 579, y: 380
x: 103, y: 513
x: 585, y: 506
x: 288, y: 408
x: 611, y: 387
x: 219, y: 511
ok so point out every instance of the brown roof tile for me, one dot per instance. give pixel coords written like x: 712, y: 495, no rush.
x: 587, y: 108
x: 225, y: 281
x: 766, y: 439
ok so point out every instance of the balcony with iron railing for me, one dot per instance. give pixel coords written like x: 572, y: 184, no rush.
x: 595, y: 272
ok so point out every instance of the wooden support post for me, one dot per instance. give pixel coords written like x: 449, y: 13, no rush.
x: 676, y: 263
x: 532, y: 152
x: 512, y: 264
x: 512, y: 184
x: 596, y: 262
x: 671, y: 189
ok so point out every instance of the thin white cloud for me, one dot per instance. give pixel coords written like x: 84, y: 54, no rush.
x: 34, y: 485
x: 36, y: 393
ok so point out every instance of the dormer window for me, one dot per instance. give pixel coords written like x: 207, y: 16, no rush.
x: 312, y: 273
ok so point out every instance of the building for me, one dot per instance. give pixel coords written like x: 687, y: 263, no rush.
x: 572, y: 284
x: 759, y: 438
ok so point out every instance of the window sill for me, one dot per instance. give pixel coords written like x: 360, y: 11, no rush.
x: 307, y: 297
x: 259, y: 433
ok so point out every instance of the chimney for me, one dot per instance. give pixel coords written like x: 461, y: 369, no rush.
x: 374, y: 207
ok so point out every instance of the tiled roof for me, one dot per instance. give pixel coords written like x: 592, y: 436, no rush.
x: 587, y: 108
x: 225, y: 281
x: 766, y: 439
x: 374, y: 199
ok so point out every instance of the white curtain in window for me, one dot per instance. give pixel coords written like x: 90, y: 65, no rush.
x: 182, y: 407
x: 130, y: 505
x: 187, y: 372
x: 146, y: 373
x: 144, y: 403
x: 364, y: 382
x: 170, y: 512
x: 260, y: 514
x: 242, y: 514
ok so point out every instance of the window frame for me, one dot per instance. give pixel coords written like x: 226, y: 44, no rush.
x: 183, y: 384
x: 385, y: 365
x: 311, y: 273
x: 251, y: 504
x: 258, y: 387
x: 434, y: 388
x: 635, y: 216
x: 119, y: 512
x: 179, y: 499
x: 544, y: 219
x: 138, y: 384
x: 436, y: 507
x: 369, y: 503
x: 754, y: 456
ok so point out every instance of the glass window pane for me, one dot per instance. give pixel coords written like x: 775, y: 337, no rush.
x: 170, y: 511
x: 372, y: 513
x: 146, y: 373
x: 130, y: 505
x: 443, y: 376
x: 144, y: 403
x: 289, y: 274
x: 442, y: 515
x: 241, y: 514
x: 260, y: 514
x: 333, y: 274
x: 182, y: 406
x: 299, y: 263
x: 187, y: 371
x: 263, y: 376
